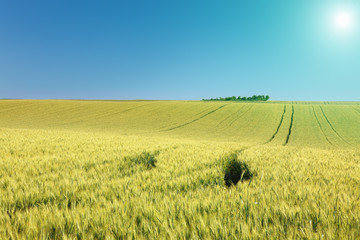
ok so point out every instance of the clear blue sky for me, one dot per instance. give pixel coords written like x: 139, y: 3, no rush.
x: 133, y: 49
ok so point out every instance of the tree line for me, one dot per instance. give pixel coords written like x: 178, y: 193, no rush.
x: 239, y: 98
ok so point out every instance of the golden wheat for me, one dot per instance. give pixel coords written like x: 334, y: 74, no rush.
x: 65, y: 171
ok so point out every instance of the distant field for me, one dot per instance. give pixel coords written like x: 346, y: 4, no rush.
x: 65, y: 173
x: 305, y: 124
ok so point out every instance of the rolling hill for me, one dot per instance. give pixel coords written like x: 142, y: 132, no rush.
x: 306, y: 124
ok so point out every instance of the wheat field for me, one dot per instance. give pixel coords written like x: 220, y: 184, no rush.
x: 66, y: 170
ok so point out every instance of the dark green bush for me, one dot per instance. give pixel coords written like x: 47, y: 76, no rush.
x: 145, y: 158
x: 235, y: 170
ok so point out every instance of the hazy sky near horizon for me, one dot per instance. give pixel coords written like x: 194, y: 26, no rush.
x: 130, y: 49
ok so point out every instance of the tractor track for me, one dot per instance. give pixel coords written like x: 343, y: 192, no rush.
x: 239, y: 110
x: 322, y: 130
x: 277, y: 130
x: 356, y: 110
x: 197, y: 119
x: 332, y: 127
x: 103, y: 115
x: 251, y: 106
x: 166, y: 127
x: 122, y: 111
x: 291, y: 124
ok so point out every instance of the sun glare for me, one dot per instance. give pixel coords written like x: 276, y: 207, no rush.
x: 343, y: 21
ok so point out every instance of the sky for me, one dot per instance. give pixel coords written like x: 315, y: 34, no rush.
x: 179, y: 50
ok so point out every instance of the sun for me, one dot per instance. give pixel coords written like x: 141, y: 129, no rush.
x: 343, y: 21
